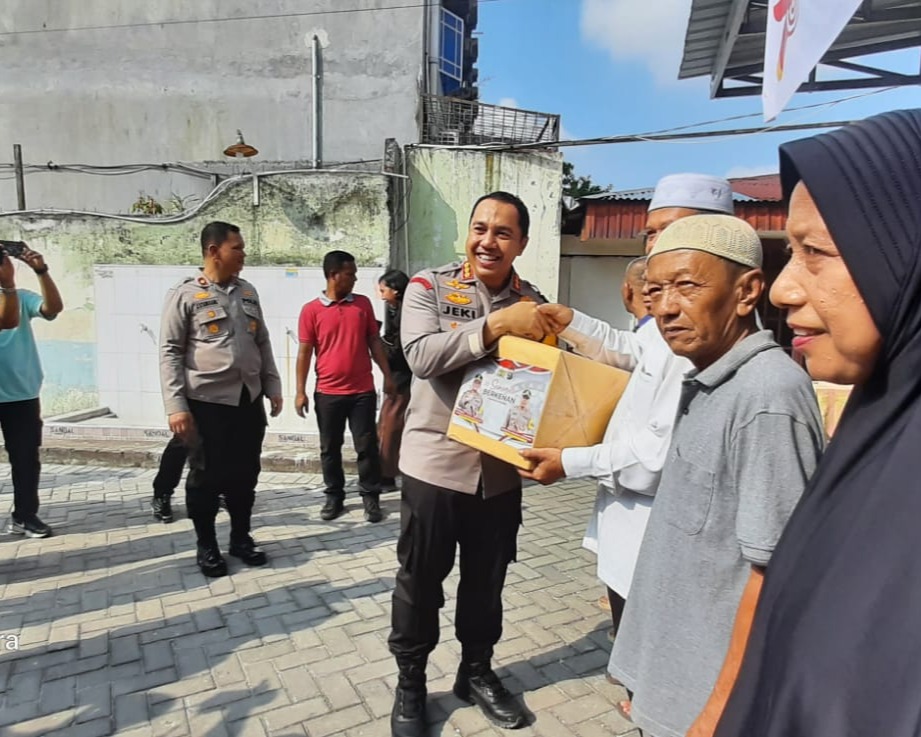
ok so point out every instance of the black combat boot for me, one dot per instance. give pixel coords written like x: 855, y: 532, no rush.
x: 162, y: 509
x: 408, y: 716
x: 477, y: 684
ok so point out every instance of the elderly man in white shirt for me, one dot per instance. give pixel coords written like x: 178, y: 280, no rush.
x: 628, y: 463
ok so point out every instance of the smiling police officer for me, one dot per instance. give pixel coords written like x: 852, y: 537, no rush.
x: 452, y: 495
x: 216, y: 366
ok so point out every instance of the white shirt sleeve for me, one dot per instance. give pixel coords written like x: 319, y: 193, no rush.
x: 639, y: 434
x: 600, y: 342
x: 635, y: 464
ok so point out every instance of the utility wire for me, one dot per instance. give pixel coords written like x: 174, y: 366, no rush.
x: 177, y: 22
x: 642, y: 137
x: 187, y: 214
x: 813, y: 106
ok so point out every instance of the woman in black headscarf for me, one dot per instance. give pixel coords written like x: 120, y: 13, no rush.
x: 835, y: 649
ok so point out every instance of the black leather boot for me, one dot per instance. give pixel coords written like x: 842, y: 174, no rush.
x: 477, y: 684
x: 408, y: 716
x: 210, y: 561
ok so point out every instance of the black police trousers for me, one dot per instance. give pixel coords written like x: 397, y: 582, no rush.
x: 434, y: 523
x: 169, y: 473
x: 224, y: 457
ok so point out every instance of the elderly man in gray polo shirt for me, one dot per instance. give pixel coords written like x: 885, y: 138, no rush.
x: 746, y: 439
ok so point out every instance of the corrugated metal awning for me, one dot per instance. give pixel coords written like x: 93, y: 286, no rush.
x: 725, y: 41
x: 620, y: 220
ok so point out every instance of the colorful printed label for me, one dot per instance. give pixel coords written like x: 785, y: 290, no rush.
x: 502, y: 400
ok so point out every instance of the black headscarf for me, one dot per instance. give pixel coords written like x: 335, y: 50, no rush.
x: 835, y: 649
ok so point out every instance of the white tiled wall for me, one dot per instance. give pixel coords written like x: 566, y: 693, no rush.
x: 129, y: 301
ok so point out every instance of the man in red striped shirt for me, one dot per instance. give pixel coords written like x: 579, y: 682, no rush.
x: 340, y: 327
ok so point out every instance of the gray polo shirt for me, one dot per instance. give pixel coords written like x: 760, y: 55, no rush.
x: 748, y: 436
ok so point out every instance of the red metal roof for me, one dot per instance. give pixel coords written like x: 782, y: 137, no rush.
x: 763, y: 187
x: 621, y: 215
x: 624, y: 219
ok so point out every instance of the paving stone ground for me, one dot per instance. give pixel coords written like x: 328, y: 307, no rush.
x: 108, y: 628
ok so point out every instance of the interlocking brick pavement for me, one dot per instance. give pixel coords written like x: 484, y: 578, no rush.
x: 118, y: 632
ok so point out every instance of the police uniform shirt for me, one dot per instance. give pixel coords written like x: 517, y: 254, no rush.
x: 213, y: 342
x: 444, y: 311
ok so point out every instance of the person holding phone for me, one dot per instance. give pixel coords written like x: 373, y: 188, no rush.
x: 9, y: 301
x: 21, y: 369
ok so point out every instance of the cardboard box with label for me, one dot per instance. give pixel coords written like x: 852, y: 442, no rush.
x: 531, y: 395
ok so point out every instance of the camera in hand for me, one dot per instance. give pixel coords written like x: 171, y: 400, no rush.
x: 14, y: 249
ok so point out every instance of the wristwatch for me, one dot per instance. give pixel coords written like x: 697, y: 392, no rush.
x: 42, y: 271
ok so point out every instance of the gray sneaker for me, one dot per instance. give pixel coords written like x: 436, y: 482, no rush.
x: 31, y: 527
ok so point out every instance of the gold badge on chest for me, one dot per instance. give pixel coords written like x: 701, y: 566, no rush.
x: 457, y: 299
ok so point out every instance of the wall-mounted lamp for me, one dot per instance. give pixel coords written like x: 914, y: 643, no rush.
x: 241, y: 149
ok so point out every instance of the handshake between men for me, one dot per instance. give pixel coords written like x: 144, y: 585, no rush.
x: 527, y: 320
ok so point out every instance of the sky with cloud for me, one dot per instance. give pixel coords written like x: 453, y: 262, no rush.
x: 610, y: 67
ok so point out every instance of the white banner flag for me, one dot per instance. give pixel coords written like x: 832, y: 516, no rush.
x: 799, y: 32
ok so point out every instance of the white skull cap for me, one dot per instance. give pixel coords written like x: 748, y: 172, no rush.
x: 693, y: 191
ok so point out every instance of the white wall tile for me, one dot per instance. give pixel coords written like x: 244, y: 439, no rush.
x: 149, y: 369
x: 129, y: 378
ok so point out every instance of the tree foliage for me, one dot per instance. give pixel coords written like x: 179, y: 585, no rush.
x: 579, y: 186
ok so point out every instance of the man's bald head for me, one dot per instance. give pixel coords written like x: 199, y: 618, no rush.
x: 632, y: 288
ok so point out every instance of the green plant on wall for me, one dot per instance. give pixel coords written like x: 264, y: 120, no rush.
x: 178, y: 204
x: 146, y: 205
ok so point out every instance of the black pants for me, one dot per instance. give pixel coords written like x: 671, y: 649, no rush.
x: 21, y: 423
x: 617, y: 604
x: 333, y: 410
x: 172, y: 462
x: 433, y: 523
x: 224, y: 458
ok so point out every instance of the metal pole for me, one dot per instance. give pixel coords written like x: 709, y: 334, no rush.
x: 317, y: 104
x: 20, y: 179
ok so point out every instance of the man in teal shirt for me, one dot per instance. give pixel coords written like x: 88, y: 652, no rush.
x: 20, y: 411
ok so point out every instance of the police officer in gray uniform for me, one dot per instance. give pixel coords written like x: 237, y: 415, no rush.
x: 216, y: 366
x: 452, y: 495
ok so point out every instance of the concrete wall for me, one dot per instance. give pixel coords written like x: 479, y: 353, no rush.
x: 591, y: 284
x: 444, y: 185
x: 178, y: 92
x: 297, y: 220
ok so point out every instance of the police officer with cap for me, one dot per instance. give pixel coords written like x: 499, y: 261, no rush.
x: 452, y: 495
x: 216, y: 366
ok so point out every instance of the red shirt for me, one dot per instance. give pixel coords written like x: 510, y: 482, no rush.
x: 340, y: 333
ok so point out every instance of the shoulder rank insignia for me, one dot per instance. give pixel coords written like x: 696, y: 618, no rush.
x: 467, y: 271
x: 202, y: 295
x: 248, y: 293
x: 458, y: 299
x: 455, y: 284
x: 525, y: 298
x: 426, y: 284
